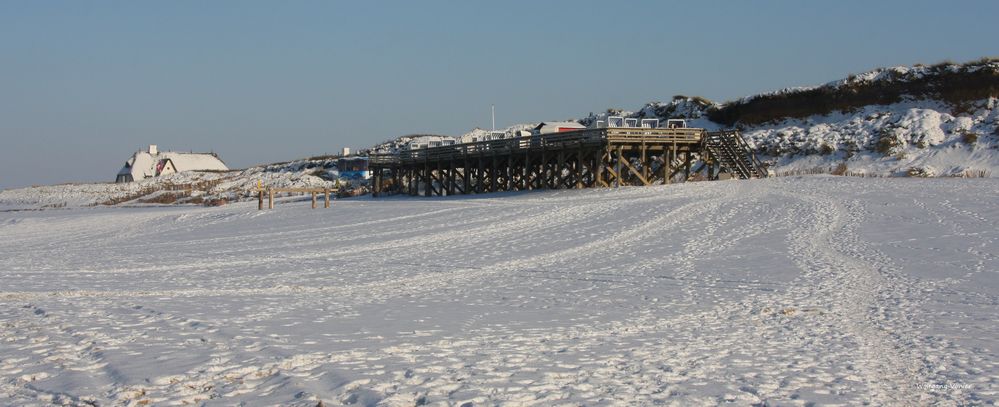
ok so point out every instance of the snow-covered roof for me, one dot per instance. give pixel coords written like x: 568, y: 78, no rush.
x: 143, y: 165
x: 429, y: 141
x: 554, y: 127
x: 476, y: 134
x: 568, y: 124
x: 194, y: 161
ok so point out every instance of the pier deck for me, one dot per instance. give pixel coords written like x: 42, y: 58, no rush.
x: 586, y: 158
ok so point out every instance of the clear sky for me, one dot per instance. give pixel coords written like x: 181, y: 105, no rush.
x: 83, y: 84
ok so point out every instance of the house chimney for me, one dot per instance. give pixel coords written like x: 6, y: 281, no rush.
x: 153, y: 150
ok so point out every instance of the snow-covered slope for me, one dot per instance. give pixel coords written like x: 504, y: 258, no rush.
x: 787, y: 291
x: 919, y: 134
x: 910, y: 138
x: 188, y: 187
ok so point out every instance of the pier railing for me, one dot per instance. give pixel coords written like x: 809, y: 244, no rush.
x: 583, y: 137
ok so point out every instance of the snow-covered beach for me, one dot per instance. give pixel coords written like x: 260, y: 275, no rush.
x: 790, y: 291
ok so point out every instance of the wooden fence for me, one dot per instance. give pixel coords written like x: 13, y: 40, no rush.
x: 314, y: 191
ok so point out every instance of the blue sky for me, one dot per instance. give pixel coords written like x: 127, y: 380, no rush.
x: 85, y: 84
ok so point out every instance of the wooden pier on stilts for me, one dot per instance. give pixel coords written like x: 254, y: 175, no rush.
x: 585, y: 158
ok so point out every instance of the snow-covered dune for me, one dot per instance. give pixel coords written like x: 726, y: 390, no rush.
x: 789, y: 291
x: 911, y: 138
x: 188, y: 187
x: 929, y: 121
x: 915, y: 137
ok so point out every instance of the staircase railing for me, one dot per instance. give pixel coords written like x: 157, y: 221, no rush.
x: 750, y: 154
x: 732, y: 150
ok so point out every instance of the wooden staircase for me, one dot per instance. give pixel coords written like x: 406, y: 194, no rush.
x: 731, y: 151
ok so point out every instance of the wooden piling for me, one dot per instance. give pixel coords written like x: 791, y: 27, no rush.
x: 617, y: 166
x: 686, y: 166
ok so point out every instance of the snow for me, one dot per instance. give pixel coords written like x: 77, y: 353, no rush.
x: 230, y: 185
x: 66, y: 195
x: 927, y: 135
x: 787, y: 291
x: 909, y: 73
x: 894, y: 74
x: 930, y: 137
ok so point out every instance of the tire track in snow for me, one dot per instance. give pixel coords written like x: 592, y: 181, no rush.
x: 794, y: 344
x: 845, y: 288
x: 677, y: 216
x: 860, y: 293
